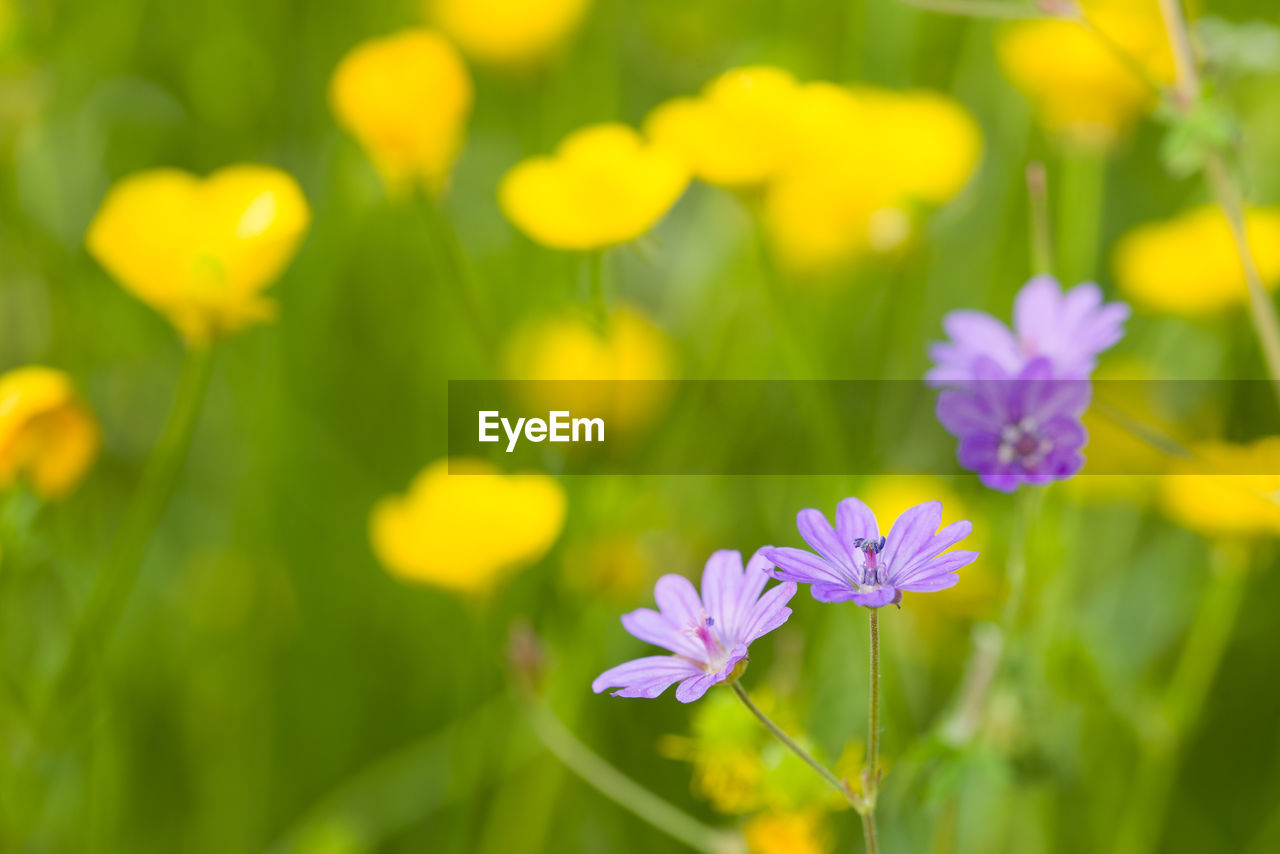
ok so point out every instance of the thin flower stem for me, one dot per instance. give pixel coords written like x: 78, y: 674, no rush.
x: 624, y: 791
x: 822, y: 770
x: 1041, y: 228
x: 871, y: 781
x: 119, y: 570
x: 1187, y: 90
x: 1181, y: 706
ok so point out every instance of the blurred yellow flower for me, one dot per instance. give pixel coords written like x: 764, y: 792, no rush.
x: 571, y: 347
x: 604, y: 185
x: 1228, y: 490
x: 405, y: 98
x: 738, y: 133
x: 508, y: 32
x: 1124, y: 424
x: 789, y: 832
x: 1080, y: 88
x: 467, y: 530
x: 863, y: 160
x: 1188, y: 265
x: 48, y: 437
x: 200, y: 251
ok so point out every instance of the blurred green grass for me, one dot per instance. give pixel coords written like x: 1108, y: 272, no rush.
x: 266, y: 658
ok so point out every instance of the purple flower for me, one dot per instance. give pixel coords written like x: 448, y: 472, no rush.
x: 708, y: 635
x: 1069, y: 329
x: 854, y: 562
x: 1017, y: 429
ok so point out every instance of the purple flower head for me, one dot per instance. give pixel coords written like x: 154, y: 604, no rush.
x: 1068, y: 328
x: 1017, y: 429
x: 854, y: 562
x: 708, y: 636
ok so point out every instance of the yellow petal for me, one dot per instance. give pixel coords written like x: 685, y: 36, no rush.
x: 48, y: 437
x: 1189, y: 264
x: 467, y: 530
x: 508, y: 32
x: 201, y: 251
x: 603, y: 186
x: 1227, y: 490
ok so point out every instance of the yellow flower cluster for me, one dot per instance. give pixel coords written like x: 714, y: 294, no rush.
x: 201, y: 251
x: 789, y: 832
x: 1189, y: 265
x: 1227, y: 490
x: 841, y: 170
x: 467, y: 529
x: 406, y: 98
x: 48, y: 437
x: 1081, y: 88
x: 508, y: 32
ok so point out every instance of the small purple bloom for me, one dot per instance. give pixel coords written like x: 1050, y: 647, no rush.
x: 708, y: 635
x: 854, y: 562
x: 1017, y: 429
x: 1068, y: 328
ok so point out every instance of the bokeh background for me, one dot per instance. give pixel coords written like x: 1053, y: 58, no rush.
x: 271, y: 686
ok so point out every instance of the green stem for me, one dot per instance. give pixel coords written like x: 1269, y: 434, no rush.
x: 120, y: 568
x: 624, y: 791
x: 1041, y: 228
x: 871, y: 780
x: 465, y: 283
x: 1081, y: 189
x: 822, y: 770
x: 1182, y: 704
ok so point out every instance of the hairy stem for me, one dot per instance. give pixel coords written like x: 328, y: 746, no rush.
x: 1041, y: 228
x: 871, y: 779
x: 624, y: 791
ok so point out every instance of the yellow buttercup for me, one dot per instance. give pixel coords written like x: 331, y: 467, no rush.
x: 201, y: 251
x: 48, y: 437
x: 1189, y: 264
x: 405, y: 98
x: 1081, y: 89
x: 467, y: 530
x: 508, y: 32
x: 603, y: 186
x: 1227, y: 490
x: 739, y: 132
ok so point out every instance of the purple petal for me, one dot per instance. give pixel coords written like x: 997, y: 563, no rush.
x: 651, y: 627
x: 961, y: 412
x: 769, y: 613
x: 722, y: 583
x: 645, y: 677
x: 933, y: 583
x: 1001, y: 482
x: 833, y: 592
x: 877, y: 598
x: 677, y: 600
x: 911, y: 533
x: 855, y: 520
x: 1036, y: 314
x: 695, y: 686
x: 821, y: 537
x: 980, y: 453
x: 802, y: 566
x: 941, y: 565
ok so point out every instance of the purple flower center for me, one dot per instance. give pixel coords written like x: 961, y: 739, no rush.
x: 871, y: 566
x: 702, y: 629
x: 1022, y: 443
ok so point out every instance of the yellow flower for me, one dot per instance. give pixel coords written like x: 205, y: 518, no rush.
x: 1080, y: 88
x: 1189, y: 265
x: 1228, y: 490
x: 48, y: 437
x: 1122, y: 462
x: 508, y: 32
x: 405, y: 98
x: 863, y: 160
x: 738, y: 133
x: 200, y: 251
x: 571, y: 346
x: 789, y: 832
x: 604, y: 185
x: 467, y: 530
